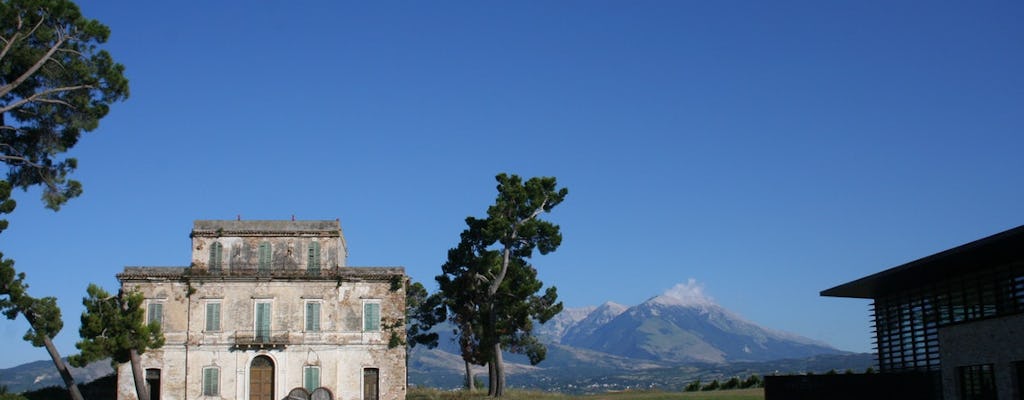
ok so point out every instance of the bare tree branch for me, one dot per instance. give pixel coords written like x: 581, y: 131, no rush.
x: 40, y: 96
x: 61, y: 38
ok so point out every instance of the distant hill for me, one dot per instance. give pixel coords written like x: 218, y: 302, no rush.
x: 40, y: 374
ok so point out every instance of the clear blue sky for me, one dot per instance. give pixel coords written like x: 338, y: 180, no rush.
x: 767, y: 150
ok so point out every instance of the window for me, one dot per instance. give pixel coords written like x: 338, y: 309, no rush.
x: 977, y: 382
x: 371, y: 384
x: 211, y: 381
x: 371, y: 316
x: 312, y: 317
x: 212, y: 317
x: 265, y: 253
x: 155, y: 313
x: 153, y: 382
x: 310, y: 377
x: 262, y: 321
x: 313, y: 260
x: 216, y: 252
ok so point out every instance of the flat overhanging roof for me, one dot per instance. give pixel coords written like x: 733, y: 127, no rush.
x: 999, y: 249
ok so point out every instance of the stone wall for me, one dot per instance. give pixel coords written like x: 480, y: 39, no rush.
x: 997, y: 341
x: 341, y: 349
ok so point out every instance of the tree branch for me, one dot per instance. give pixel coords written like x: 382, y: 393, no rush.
x: 39, y: 97
x: 61, y: 39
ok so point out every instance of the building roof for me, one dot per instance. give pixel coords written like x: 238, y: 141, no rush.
x: 999, y: 249
x: 344, y: 273
x: 265, y: 228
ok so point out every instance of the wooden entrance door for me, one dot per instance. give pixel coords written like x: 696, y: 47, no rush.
x: 371, y: 384
x: 261, y: 379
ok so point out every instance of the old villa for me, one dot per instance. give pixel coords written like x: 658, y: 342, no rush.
x: 269, y: 310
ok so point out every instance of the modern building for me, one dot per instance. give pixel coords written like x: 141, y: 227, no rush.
x: 268, y: 310
x: 957, y: 316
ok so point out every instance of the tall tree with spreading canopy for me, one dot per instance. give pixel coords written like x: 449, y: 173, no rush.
x: 55, y: 84
x: 115, y: 327
x: 492, y: 290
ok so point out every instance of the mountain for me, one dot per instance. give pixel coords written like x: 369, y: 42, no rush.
x: 671, y: 338
x: 553, y: 330
x: 40, y: 374
x: 594, y: 320
x: 672, y: 329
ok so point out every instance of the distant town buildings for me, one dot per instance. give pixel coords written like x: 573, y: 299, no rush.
x: 268, y: 310
x: 956, y: 316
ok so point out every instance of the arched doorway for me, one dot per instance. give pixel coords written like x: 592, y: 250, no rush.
x: 261, y: 379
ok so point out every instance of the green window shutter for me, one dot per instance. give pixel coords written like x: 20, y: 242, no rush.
x: 263, y: 321
x: 265, y: 255
x: 156, y: 313
x: 216, y: 253
x: 313, y: 260
x: 211, y: 382
x: 371, y: 317
x: 213, y: 317
x: 312, y: 317
x: 311, y: 378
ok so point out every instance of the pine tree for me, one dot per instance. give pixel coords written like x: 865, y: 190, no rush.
x: 488, y: 285
x: 55, y: 84
x: 115, y: 327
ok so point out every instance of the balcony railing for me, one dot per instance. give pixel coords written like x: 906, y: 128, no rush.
x: 261, y: 339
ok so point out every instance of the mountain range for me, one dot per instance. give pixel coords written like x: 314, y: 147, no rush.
x: 679, y: 330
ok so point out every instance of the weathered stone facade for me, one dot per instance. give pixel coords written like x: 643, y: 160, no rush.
x: 268, y: 310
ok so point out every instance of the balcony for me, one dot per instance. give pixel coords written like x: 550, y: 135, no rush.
x: 259, y: 340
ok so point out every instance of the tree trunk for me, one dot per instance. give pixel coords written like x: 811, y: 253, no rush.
x: 499, y: 372
x: 138, y: 374
x: 492, y: 382
x: 63, y: 369
x: 470, y: 384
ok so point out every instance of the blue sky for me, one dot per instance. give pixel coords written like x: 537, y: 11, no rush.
x: 766, y: 150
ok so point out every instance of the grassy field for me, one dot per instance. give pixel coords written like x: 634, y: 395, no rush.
x: 743, y: 394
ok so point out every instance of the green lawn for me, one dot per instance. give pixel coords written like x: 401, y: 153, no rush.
x: 742, y: 394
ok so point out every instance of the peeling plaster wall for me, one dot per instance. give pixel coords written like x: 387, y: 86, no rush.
x: 340, y: 348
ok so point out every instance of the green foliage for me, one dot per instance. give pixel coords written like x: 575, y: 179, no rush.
x: 714, y: 385
x: 422, y: 312
x: 487, y: 283
x: 113, y: 326
x: 870, y: 370
x: 55, y: 83
x: 752, y: 381
x: 732, y: 383
x: 7, y: 395
x: 693, y: 386
x: 487, y: 275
